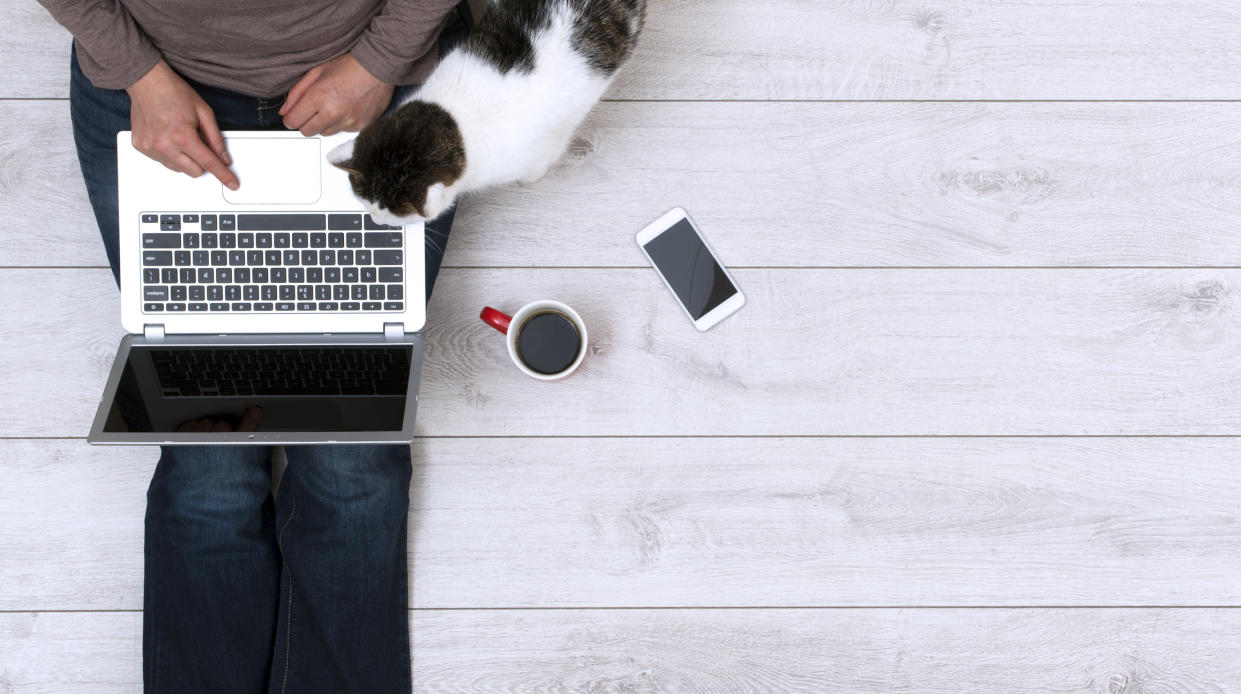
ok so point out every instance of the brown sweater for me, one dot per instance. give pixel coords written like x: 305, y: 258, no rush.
x: 256, y: 47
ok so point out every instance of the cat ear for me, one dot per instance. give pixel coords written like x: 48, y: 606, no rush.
x: 342, y: 157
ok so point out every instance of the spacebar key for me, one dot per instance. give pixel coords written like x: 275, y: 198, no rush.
x: 281, y: 222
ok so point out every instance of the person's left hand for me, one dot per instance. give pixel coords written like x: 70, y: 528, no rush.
x: 339, y: 95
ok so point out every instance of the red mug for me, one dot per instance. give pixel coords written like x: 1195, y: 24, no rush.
x: 546, y: 339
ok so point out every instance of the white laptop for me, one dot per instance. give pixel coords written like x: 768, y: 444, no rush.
x: 279, y: 313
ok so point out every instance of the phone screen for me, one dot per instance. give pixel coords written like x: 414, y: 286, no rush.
x: 684, y: 260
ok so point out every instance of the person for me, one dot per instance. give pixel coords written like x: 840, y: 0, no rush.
x: 245, y: 591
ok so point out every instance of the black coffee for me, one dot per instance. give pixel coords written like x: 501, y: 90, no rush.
x: 548, y: 342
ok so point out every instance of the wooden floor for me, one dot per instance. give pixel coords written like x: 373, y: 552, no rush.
x: 975, y: 431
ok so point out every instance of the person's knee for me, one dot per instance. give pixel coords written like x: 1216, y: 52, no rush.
x: 361, y: 488
x: 206, y: 490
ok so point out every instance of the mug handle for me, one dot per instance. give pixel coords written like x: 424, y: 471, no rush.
x: 496, y: 319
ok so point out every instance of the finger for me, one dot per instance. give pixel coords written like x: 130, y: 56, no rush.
x: 250, y: 420
x: 299, y: 90
x: 211, y: 133
x: 182, y: 162
x: 315, y: 125
x: 204, y: 157
x: 187, y: 426
x: 221, y: 428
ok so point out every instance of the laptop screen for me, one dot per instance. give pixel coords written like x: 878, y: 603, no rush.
x: 169, y: 389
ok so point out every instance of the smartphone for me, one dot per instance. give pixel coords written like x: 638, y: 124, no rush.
x: 697, y: 278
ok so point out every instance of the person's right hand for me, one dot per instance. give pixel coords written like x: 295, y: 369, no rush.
x: 170, y: 122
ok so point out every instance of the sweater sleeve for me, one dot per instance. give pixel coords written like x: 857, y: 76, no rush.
x: 401, y: 35
x: 112, y: 49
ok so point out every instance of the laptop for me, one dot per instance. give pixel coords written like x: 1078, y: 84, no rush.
x: 279, y: 313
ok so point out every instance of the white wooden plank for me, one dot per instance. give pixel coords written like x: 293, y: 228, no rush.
x: 637, y: 522
x: 721, y: 651
x: 902, y: 49
x: 815, y: 352
x: 825, y: 185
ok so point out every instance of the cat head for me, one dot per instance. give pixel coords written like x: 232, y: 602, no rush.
x: 403, y: 166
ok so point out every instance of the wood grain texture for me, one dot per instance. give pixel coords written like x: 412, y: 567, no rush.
x: 815, y: 352
x: 858, y: 49
x: 762, y: 522
x: 828, y: 185
x: 721, y: 651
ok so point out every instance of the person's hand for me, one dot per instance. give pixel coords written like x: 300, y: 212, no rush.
x: 174, y: 126
x: 339, y: 95
x: 249, y: 422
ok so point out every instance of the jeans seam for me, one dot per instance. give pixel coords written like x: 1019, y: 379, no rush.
x: 288, y: 634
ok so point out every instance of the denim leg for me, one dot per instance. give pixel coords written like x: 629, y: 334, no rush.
x: 343, y: 627
x: 98, y: 115
x: 212, y: 571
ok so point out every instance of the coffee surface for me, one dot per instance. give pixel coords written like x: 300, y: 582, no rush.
x: 548, y: 342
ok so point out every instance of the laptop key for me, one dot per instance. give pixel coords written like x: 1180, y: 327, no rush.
x: 268, y: 291
x: 250, y: 292
x: 219, y: 307
x: 349, y: 274
x: 377, y: 292
x: 353, y: 240
x: 344, y: 222
x: 396, y: 292
x: 310, y: 258
x: 292, y: 258
x: 208, y: 223
x: 286, y: 292
x: 297, y: 275
x: 344, y: 257
x: 368, y: 274
x: 336, y: 240
x: 328, y: 306
x: 372, y: 306
x: 215, y: 293
x: 232, y: 293
x: 314, y: 275
x: 383, y: 239
x: 156, y: 293
x: 157, y: 258
x: 186, y: 276
x: 236, y: 257
x: 205, y: 275
x: 305, y: 292
x: 152, y: 307
x: 219, y: 257
x: 211, y: 240
x: 271, y: 257
x: 279, y: 275
x: 340, y: 292
x: 259, y: 274
x: 178, y: 293
x: 170, y: 226
x: 198, y: 307
x: 331, y: 275
x: 327, y: 257
x: 359, y: 292
x: 223, y: 275
x: 201, y: 257
x: 176, y: 307
x: 239, y: 306
x: 350, y: 306
x: 190, y: 240
x: 254, y: 257
x: 198, y: 293
x: 281, y: 240
x: 262, y: 307
x: 388, y: 258
x: 161, y: 240
x: 391, y: 274
x: 301, y: 240
x: 241, y: 275
x: 393, y: 306
x: 181, y: 258
x: 189, y: 218
x: 228, y: 240
x: 228, y: 222
x: 318, y: 240
x: 263, y: 240
x: 284, y: 306
x: 323, y: 292
x: 150, y: 219
x: 364, y: 257
x: 306, y: 306
x: 245, y: 240
x: 168, y: 275
x: 150, y: 275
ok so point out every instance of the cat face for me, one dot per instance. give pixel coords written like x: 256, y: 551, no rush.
x: 403, y: 166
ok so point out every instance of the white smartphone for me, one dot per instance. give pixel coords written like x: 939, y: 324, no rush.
x: 697, y: 278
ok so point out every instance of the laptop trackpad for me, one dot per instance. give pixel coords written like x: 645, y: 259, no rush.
x: 275, y: 171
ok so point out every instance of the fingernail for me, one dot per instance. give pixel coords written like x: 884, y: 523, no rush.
x: 233, y: 186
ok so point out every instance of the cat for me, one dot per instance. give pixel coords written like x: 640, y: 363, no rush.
x: 499, y: 109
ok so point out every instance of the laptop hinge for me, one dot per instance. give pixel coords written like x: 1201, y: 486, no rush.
x: 154, y: 332
x: 394, y: 330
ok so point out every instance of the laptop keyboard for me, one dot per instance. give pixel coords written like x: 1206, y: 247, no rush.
x: 243, y: 371
x: 271, y: 263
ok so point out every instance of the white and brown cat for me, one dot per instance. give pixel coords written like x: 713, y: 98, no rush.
x: 499, y: 109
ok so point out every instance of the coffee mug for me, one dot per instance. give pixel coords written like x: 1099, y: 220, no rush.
x: 546, y: 339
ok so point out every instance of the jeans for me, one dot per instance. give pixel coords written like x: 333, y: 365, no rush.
x: 245, y: 592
